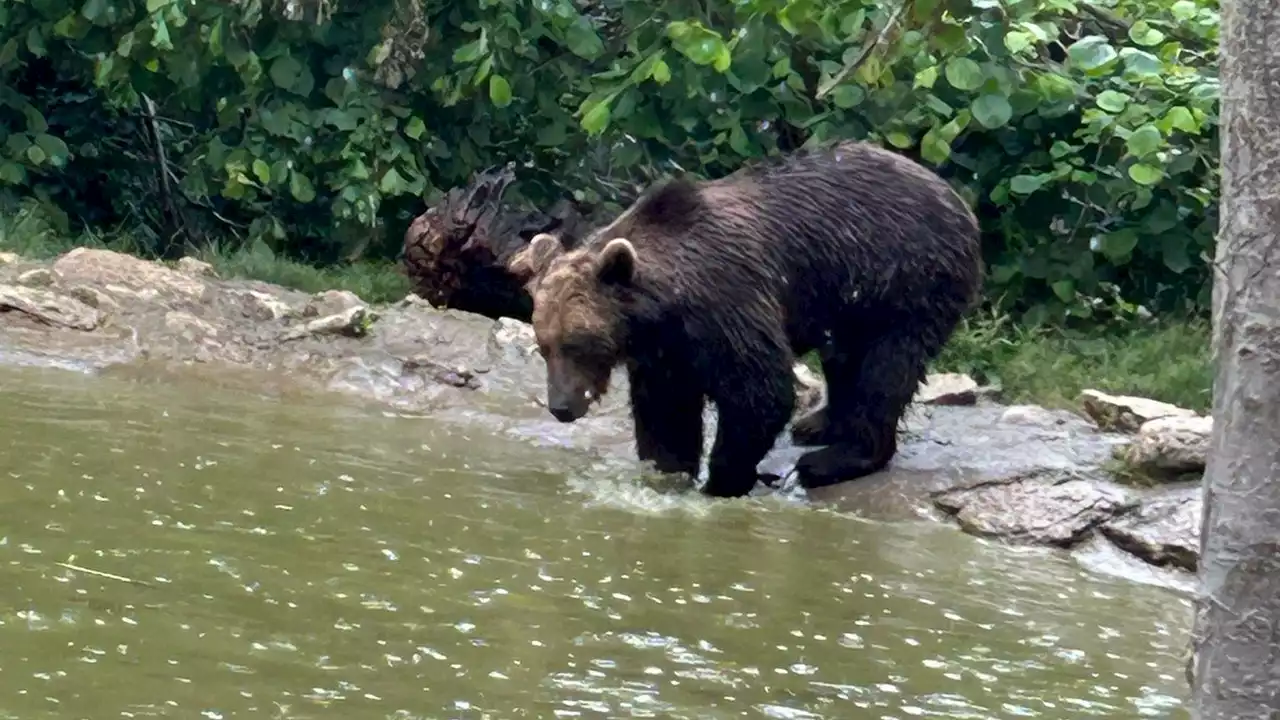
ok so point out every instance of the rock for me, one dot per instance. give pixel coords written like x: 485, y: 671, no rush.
x: 198, y: 268
x: 49, y: 307
x: 353, y: 322
x: 459, y: 376
x: 1124, y: 413
x: 1031, y: 416
x: 8, y: 258
x: 1170, y: 446
x: 947, y: 389
x: 39, y: 277
x: 92, y: 297
x: 331, y: 302
x: 1164, y: 530
x: 262, y: 306
x: 117, y: 272
x: 1036, y: 507
x: 809, y: 389
x: 188, y: 325
x: 510, y: 336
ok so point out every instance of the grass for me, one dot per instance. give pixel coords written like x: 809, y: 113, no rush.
x: 1166, y: 361
x: 25, y: 231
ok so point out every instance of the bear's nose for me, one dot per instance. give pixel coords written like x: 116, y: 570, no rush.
x: 563, y: 413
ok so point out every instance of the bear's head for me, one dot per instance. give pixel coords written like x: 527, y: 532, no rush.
x: 578, y: 317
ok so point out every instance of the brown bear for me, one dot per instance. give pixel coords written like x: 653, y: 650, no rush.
x: 710, y: 289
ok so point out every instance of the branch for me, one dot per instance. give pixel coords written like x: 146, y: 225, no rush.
x: 849, y: 69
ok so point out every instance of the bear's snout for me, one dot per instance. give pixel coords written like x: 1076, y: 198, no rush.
x: 563, y: 413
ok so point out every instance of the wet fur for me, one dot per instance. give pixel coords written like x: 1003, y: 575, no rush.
x: 851, y: 250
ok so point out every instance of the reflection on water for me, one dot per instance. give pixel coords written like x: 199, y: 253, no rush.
x: 281, y: 561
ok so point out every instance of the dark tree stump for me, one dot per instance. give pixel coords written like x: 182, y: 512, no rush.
x: 456, y: 253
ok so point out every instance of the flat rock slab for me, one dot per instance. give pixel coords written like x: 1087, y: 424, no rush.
x: 1043, y: 508
x: 1164, y: 530
x: 1125, y: 413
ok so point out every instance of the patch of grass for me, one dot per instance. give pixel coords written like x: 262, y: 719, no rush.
x: 375, y: 282
x: 1167, y: 361
x: 27, y: 231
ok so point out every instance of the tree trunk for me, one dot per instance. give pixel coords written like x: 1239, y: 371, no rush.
x: 1237, y: 635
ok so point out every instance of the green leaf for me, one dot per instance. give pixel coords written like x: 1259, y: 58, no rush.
x: 93, y: 9
x: 1090, y: 53
x: 596, y: 119
x: 499, y: 90
x: 1184, y: 10
x: 125, y: 47
x: 1064, y: 289
x: 35, y: 41
x: 699, y: 44
x: 279, y: 171
x: 934, y: 147
x: 991, y: 110
x: 1112, y: 101
x: 1144, y: 141
x: 469, y: 52
x: 160, y: 34
x: 926, y: 77
x: 392, y: 183
x: 261, y: 170
x: 899, y: 140
x: 1017, y: 41
x: 847, y: 96
x: 1145, y: 174
x: 1025, y: 184
x: 12, y: 173
x: 1179, y: 118
x: 661, y: 72
x: 582, y: 40
x: 739, y: 141
x: 1173, y: 251
x: 552, y: 134
x: 154, y: 5
x: 963, y: 73
x: 300, y: 187
x: 1143, y: 34
x: 415, y: 128
x: 1140, y: 63
x: 36, y: 155
x: 285, y: 71
x: 53, y: 147
x: 1119, y: 244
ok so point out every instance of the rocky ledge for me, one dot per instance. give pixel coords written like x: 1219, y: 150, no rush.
x: 1021, y: 474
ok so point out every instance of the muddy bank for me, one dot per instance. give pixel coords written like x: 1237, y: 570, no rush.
x: 1022, y: 474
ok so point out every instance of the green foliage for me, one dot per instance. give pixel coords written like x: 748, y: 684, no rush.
x: 1085, y: 133
x: 1168, y: 361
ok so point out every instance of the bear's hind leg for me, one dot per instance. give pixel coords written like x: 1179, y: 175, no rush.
x: 841, y: 367
x: 753, y: 404
x: 668, y: 420
x: 863, y: 416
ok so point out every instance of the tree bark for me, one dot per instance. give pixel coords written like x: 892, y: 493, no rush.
x: 1237, y: 632
x: 456, y: 253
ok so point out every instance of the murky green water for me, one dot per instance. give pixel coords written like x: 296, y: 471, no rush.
x: 320, y: 562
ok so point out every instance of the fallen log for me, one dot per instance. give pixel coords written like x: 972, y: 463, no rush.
x: 456, y: 253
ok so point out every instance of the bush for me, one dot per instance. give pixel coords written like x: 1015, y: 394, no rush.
x: 1086, y: 134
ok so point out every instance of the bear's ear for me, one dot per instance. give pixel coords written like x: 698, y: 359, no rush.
x: 535, y: 257
x: 617, y: 262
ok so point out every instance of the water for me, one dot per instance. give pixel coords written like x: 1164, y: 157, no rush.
x: 270, y: 559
